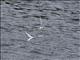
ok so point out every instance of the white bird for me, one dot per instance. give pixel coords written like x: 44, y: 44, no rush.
x: 30, y: 37
x: 41, y: 27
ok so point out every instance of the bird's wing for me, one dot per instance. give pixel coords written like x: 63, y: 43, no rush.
x: 30, y: 37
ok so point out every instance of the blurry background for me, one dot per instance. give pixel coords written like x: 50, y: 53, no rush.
x: 58, y: 40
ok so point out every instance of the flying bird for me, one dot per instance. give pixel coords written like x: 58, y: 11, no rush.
x: 30, y: 37
x: 41, y: 27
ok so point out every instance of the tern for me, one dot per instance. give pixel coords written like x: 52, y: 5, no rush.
x: 41, y: 27
x: 30, y: 37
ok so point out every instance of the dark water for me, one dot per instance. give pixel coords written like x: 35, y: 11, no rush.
x: 57, y: 39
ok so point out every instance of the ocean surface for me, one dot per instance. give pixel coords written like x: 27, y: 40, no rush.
x: 40, y: 30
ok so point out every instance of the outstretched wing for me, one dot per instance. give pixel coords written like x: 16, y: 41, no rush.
x: 30, y: 37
